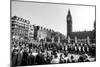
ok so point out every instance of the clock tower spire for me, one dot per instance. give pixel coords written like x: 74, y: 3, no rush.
x: 69, y: 23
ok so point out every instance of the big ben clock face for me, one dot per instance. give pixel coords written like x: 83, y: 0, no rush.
x: 68, y: 18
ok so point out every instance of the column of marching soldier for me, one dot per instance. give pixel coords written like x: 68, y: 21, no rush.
x: 78, y: 47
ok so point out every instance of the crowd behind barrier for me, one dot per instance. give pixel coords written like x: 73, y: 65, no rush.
x: 52, y: 53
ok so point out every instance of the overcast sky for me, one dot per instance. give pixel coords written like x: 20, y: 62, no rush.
x: 53, y: 16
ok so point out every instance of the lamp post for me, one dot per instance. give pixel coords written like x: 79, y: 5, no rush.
x: 58, y: 39
x: 75, y: 39
x: 68, y: 39
x: 52, y: 39
x: 88, y: 40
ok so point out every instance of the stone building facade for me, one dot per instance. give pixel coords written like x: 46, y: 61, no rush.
x: 19, y: 30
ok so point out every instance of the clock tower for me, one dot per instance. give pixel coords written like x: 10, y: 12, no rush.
x: 69, y: 23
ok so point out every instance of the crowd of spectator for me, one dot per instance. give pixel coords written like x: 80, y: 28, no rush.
x: 50, y: 53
